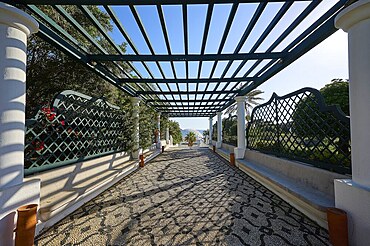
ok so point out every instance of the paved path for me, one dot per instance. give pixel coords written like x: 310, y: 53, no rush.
x: 186, y: 197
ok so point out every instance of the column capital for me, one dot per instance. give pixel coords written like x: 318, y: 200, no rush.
x: 353, y: 14
x: 16, y: 18
x: 240, y: 98
x: 219, y: 114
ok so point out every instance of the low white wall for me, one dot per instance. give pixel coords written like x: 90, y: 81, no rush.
x: 151, y: 148
x: 228, y: 147
x: 64, y: 184
x: 316, y: 178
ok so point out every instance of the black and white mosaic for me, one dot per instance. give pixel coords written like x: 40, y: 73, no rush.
x: 186, y: 197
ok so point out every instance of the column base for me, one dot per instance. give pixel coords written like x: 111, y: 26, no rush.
x: 355, y: 200
x: 218, y: 145
x: 136, y: 154
x: 159, y: 145
x: 12, y: 198
x: 239, y: 153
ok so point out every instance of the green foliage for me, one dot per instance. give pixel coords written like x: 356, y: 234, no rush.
x: 50, y: 72
x: 164, y: 125
x: 190, y: 138
x: 147, y: 125
x: 337, y: 93
x: 175, y: 131
x: 229, y: 130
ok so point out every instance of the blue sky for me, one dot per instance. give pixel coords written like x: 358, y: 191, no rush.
x: 315, y: 69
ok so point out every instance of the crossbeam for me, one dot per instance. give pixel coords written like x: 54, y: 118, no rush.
x: 212, y: 80
x: 186, y: 101
x: 185, y: 92
x: 139, y: 2
x: 190, y: 57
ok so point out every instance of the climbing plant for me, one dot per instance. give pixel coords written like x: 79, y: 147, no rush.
x: 148, y: 126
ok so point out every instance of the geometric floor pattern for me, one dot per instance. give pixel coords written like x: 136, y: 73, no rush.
x: 186, y: 197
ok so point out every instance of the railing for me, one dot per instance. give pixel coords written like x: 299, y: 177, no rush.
x: 301, y: 127
x: 229, y: 130
x: 75, y: 127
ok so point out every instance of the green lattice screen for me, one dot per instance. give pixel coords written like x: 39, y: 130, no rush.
x: 300, y: 126
x: 75, y: 127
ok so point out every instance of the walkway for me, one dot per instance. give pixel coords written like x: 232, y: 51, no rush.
x: 186, y: 197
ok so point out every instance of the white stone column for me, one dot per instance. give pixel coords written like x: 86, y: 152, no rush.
x: 219, y: 130
x: 15, y: 27
x: 136, y: 152
x: 240, y: 150
x: 353, y: 195
x: 159, y: 131
x: 210, y: 130
x: 167, y: 135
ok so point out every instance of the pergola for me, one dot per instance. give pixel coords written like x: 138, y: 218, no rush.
x: 186, y: 96
x: 241, y: 71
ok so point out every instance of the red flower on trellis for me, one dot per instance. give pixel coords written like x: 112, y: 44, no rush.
x: 49, y: 113
x: 38, y: 145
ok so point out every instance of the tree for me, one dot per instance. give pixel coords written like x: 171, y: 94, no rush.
x: 205, y: 134
x: 49, y: 71
x: 337, y: 93
x: 190, y: 138
x: 175, y: 131
x: 252, y: 99
x: 229, y: 130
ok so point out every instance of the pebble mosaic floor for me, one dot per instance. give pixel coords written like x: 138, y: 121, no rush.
x: 186, y: 197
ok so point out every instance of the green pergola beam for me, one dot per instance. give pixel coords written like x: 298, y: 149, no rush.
x: 213, y: 80
x: 190, y: 110
x: 191, y: 57
x: 138, y: 2
x: 51, y: 37
x: 261, y: 38
x: 186, y: 101
x: 151, y: 89
x: 190, y: 106
x: 185, y: 92
x: 291, y: 27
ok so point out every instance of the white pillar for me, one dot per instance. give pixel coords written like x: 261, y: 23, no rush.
x: 167, y: 135
x: 219, y: 130
x: 240, y: 150
x: 354, y: 195
x: 136, y: 152
x: 159, y: 131
x: 210, y: 130
x: 15, y: 27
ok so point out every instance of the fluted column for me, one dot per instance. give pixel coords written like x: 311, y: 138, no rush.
x: 167, y: 135
x: 159, y: 131
x: 15, y: 27
x: 240, y: 150
x: 210, y: 130
x: 136, y: 132
x: 353, y: 195
x: 219, y: 130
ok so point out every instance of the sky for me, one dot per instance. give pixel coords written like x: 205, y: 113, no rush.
x: 315, y: 69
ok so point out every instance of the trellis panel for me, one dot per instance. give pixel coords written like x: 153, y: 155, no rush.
x: 75, y: 127
x: 300, y: 126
